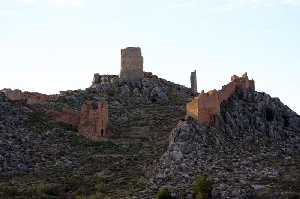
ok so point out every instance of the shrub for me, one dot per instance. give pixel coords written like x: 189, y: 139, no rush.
x: 8, y: 190
x: 202, y: 188
x: 164, y: 193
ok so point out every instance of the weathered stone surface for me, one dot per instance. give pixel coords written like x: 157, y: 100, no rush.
x: 94, y: 120
x: 131, y: 65
x: 91, y: 121
x: 68, y: 116
x: 245, y: 153
x: 29, y: 97
x: 158, y: 95
x: 104, y: 83
x: 251, y: 148
x: 151, y: 90
x: 206, y: 106
x: 135, y: 86
x: 194, y: 81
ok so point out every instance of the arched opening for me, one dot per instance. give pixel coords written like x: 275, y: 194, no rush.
x: 102, y: 132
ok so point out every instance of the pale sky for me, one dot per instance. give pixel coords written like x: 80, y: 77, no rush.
x: 53, y: 45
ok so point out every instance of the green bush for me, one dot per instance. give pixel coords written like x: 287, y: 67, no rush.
x: 202, y: 188
x: 164, y: 193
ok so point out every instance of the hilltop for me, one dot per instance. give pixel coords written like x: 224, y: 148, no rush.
x: 128, y: 136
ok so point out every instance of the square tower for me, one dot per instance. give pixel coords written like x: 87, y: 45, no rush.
x: 131, y: 64
x: 94, y: 120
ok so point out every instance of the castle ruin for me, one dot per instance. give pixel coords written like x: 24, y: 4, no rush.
x: 194, y: 81
x: 91, y: 122
x: 28, y: 97
x: 94, y: 120
x: 206, y: 106
x: 131, y: 64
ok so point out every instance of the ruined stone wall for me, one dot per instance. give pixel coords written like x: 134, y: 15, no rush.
x: 209, y: 103
x: 67, y: 116
x: 194, y: 81
x: 92, y: 120
x: 13, y: 95
x: 29, y: 97
x: 192, y: 108
x: 131, y: 64
x: 104, y: 79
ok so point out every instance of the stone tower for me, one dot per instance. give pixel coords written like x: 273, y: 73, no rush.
x: 194, y: 81
x: 94, y: 120
x: 131, y: 64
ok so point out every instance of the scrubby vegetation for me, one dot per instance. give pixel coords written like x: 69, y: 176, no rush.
x: 202, y: 187
x: 164, y: 193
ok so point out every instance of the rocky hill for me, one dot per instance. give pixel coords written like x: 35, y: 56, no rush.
x: 42, y: 158
x: 129, y: 136
x: 251, y: 152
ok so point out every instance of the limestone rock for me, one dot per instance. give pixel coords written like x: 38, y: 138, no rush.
x: 237, y: 153
x: 158, y: 95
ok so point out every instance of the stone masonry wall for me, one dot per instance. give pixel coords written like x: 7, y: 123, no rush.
x: 67, y: 116
x: 192, y: 108
x: 91, y: 121
x: 94, y: 120
x: 131, y: 64
x: 194, y: 81
x: 206, y: 106
x: 104, y: 79
x: 28, y: 97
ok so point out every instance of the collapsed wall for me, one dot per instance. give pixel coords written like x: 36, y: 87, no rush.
x: 206, y: 106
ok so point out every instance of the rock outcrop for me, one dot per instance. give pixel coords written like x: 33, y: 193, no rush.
x: 245, y: 141
x: 252, y: 150
x: 150, y: 90
x: 26, y: 143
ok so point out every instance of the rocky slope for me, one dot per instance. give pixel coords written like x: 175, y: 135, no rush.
x: 40, y: 158
x: 253, y: 151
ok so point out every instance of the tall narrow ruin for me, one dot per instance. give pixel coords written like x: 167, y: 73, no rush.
x: 131, y: 64
x: 194, y: 81
x: 94, y: 120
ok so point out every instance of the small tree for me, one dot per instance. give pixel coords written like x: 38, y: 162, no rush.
x: 164, y: 193
x: 202, y: 188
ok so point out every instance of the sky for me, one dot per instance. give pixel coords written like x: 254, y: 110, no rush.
x: 53, y: 45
